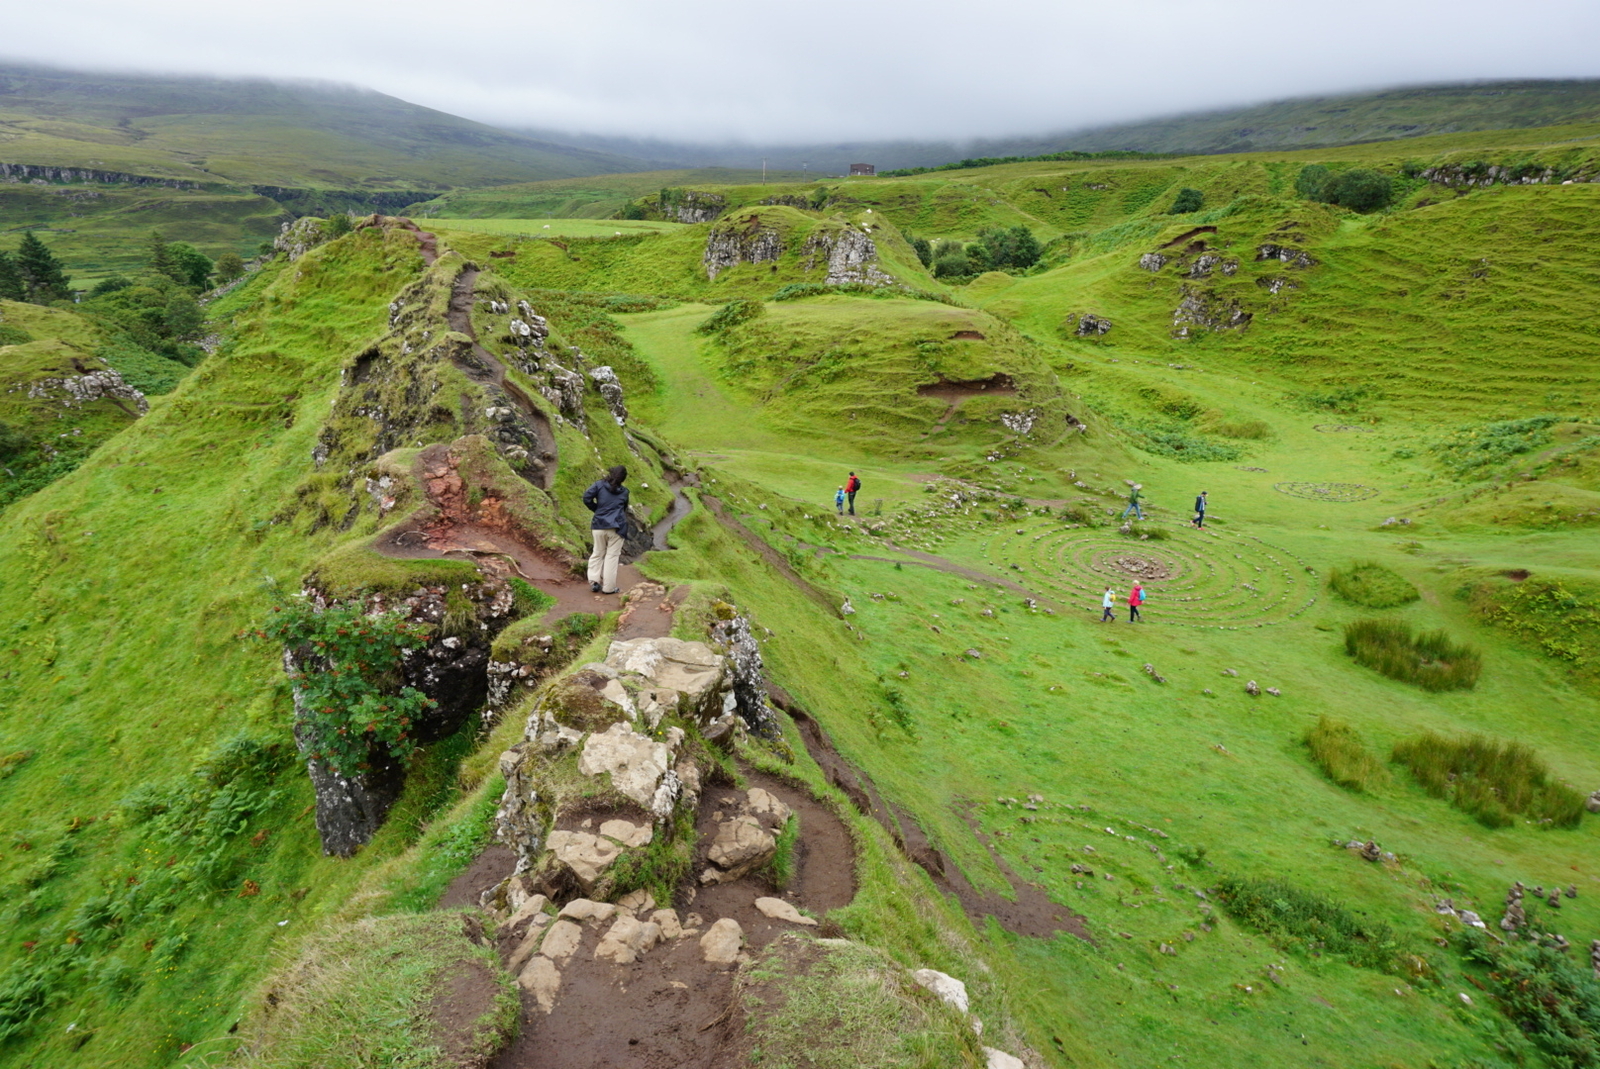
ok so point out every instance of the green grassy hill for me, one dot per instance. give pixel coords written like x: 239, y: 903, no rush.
x: 595, y: 197
x: 1404, y: 395
x: 245, y: 133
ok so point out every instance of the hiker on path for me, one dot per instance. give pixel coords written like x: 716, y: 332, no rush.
x: 1133, y: 502
x: 1109, y: 604
x: 838, y: 500
x: 608, y: 500
x: 852, y: 486
x: 1200, y: 510
x: 1135, y: 599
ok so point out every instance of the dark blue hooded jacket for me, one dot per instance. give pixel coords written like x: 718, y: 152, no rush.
x: 610, y: 507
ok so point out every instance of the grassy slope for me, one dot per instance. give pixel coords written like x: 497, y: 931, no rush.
x: 156, y: 616
x: 596, y: 197
x: 244, y: 132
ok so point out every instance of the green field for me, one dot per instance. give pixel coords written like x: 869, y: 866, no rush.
x: 1409, y: 393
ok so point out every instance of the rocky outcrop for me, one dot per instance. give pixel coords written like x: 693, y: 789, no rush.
x: 43, y: 174
x: 1481, y: 176
x: 745, y: 839
x: 74, y: 391
x: 1287, y: 254
x: 299, y: 237
x: 611, y: 390
x: 748, y: 241
x: 693, y: 206
x: 1091, y: 325
x: 1152, y: 261
x: 1202, y: 308
x: 749, y: 682
x: 850, y: 255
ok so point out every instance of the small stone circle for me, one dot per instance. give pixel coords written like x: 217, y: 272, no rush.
x: 1341, y: 492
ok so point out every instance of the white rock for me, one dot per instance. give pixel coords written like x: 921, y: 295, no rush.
x: 667, y: 920
x: 529, y: 944
x: 999, y: 1059
x: 628, y: 834
x: 530, y: 906
x: 741, y: 844
x: 586, y: 854
x: 542, y: 980
x: 767, y: 805
x: 640, y: 901
x: 560, y: 941
x: 581, y: 909
x: 635, y: 762
x: 779, y: 910
x: 720, y: 945
x: 614, y: 693
x: 627, y: 939
x: 946, y: 988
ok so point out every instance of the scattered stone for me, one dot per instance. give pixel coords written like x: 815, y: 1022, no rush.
x: 1371, y: 851
x: 581, y: 909
x: 1274, y: 691
x: 1593, y: 803
x: 767, y: 805
x: 946, y: 988
x: 999, y: 1059
x: 628, y: 938
x: 561, y: 941
x: 1150, y: 670
x: 1092, y: 325
x: 720, y: 945
x: 530, y: 907
x: 640, y: 901
x: 667, y: 921
x: 1253, y: 689
x: 542, y: 980
x: 974, y: 654
x: 1229, y: 672
x: 741, y: 844
x: 529, y: 945
x: 779, y: 910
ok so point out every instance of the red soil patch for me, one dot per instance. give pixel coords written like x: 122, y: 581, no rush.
x: 956, y: 392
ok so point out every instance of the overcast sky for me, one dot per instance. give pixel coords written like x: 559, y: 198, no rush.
x: 824, y: 70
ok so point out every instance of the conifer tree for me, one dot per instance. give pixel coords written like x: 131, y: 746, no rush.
x: 161, y: 260
x: 12, y: 287
x: 42, y: 274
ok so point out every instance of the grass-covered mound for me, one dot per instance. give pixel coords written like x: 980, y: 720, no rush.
x: 1310, y: 923
x: 1371, y: 585
x: 364, y: 995
x: 1431, y: 660
x: 1494, y: 781
x: 1338, y: 750
x: 1559, y: 616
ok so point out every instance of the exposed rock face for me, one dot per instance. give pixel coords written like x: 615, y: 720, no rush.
x: 300, y: 237
x: 1202, y: 308
x: 15, y: 173
x: 1286, y: 254
x: 1152, y: 261
x: 850, y: 255
x: 636, y: 763
x: 674, y: 674
x: 611, y: 389
x: 1091, y: 325
x: 747, y: 241
x: 749, y: 675
x: 693, y: 206
x: 584, y: 855
x: 78, y: 390
x: 1469, y: 176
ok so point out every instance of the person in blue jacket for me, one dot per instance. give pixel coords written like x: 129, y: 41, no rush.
x: 608, y: 500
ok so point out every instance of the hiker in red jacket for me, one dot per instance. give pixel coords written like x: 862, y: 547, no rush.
x: 1135, y: 599
x: 851, y: 486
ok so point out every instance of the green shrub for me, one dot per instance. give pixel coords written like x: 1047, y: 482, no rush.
x: 1002, y: 247
x: 1553, y: 999
x: 336, y: 225
x: 1560, y: 616
x: 1310, y: 923
x: 1311, y: 180
x: 1473, y: 448
x: 739, y: 310
x: 10, y: 335
x: 1359, y: 190
x: 1244, y: 429
x: 351, y: 702
x: 1490, y: 780
x: 1343, y: 757
x: 1372, y: 585
x: 1430, y: 660
x: 1188, y: 200
x: 1181, y: 445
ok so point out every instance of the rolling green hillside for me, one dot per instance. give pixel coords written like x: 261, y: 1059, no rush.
x: 1324, y: 805
x: 596, y: 197
x: 259, y: 133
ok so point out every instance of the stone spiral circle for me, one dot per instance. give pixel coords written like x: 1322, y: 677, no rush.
x: 1205, y: 579
x: 1342, y: 492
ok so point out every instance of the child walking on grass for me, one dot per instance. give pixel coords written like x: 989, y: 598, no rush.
x: 1109, y: 603
x: 838, y: 501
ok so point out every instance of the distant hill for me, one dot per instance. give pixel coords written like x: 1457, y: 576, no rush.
x: 595, y: 197
x: 1308, y: 122
x: 268, y: 135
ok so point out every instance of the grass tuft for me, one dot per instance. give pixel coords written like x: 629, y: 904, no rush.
x: 1372, y: 585
x: 1493, y: 781
x: 1337, y: 749
x: 1430, y: 659
x: 1310, y: 923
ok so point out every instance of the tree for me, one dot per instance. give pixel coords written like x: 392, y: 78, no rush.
x: 110, y: 284
x: 1188, y: 200
x: 12, y: 287
x: 42, y: 274
x: 920, y: 246
x: 183, y: 317
x: 229, y: 267
x: 336, y: 225
x: 950, y: 260
x: 1360, y: 190
x: 160, y: 259
x: 191, y: 266
x: 1312, y: 180
x: 1001, y: 247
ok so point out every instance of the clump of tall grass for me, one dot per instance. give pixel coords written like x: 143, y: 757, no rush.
x: 1494, y: 781
x: 1370, y: 584
x: 1315, y: 924
x: 1343, y: 757
x: 1430, y: 659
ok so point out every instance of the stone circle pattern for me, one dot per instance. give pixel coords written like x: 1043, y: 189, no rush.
x: 1204, y: 579
x: 1341, y: 428
x: 1342, y: 492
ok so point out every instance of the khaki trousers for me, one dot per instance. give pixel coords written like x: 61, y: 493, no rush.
x: 603, y: 559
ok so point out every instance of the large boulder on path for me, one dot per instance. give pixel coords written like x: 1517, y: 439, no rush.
x: 691, y: 670
x: 740, y: 846
x: 636, y: 763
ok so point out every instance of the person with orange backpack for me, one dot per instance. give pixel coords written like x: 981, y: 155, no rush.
x: 852, y: 486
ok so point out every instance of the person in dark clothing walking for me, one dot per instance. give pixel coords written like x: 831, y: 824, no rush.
x: 852, y: 486
x: 608, y: 500
x: 1200, y: 510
